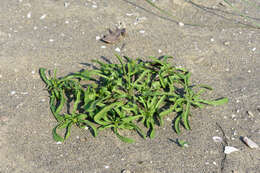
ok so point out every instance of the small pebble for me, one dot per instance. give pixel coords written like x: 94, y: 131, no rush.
x: 106, y: 166
x: 214, y: 163
x: 142, y: 31
x: 66, y: 4
x: 117, y: 49
x: 250, y: 143
x: 13, y: 92
x: 43, y: 16
x: 29, y: 15
x: 226, y: 43
x: 254, y: 49
x: 94, y: 6
x: 159, y: 50
x: 35, y: 27
x: 67, y: 22
x: 86, y: 128
x: 51, y: 40
x: 181, y: 24
x: 168, y: 119
x: 212, y: 39
x: 58, y: 143
x: 97, y: 37
x: 217, y: 139
x: 229, y: 149
x: 249, y: 71
x: 103, y: 47
x: 1, y: 76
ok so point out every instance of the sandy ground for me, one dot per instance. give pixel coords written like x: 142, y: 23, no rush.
x: 55, y: 33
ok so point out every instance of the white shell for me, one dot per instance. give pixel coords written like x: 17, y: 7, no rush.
x: 229, y: 149
x: 250, y: 143
x: 217, y: 139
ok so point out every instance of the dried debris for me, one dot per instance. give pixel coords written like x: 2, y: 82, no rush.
x: 114, y: 36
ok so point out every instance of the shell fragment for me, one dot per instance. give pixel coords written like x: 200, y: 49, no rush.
x: 250, y: 143
x: 229, y: 149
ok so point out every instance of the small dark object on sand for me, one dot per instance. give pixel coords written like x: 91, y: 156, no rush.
x: 114, y: 36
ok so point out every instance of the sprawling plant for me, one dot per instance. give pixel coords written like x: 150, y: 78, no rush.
x: 124, y: 96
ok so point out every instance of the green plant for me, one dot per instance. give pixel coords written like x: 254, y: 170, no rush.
x: 124, y: 96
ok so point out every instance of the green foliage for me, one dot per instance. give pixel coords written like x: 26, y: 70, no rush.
x: 123, y: 97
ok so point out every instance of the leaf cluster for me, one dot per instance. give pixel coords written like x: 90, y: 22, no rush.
x: 124, y: 96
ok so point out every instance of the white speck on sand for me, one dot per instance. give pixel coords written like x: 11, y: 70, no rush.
x: 1, y: 76
x: 106, y: 166
x: 13, y: 92
x: 29, y: 15
x: 254, y: 49
x: 181, y: 24
x: 98, y: 37
x: 117, y: 49
x: 142, y: 31
x: 58, y: 143
x: 159, y: 50
x: 67, y: 22
x: 66, y: 4
x: 94, y: 6
x: 35, y: 27
x: 43, y: 16
x: 103, y: 47
x: 212, y: 40
x: 217, y: 139
x: 33, y: 72
x: 51, y: 40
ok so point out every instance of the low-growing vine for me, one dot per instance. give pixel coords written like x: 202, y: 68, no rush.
x: 123, y: 96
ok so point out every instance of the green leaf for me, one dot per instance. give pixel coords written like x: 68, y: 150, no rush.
x: 182, y: 143
x: 214, y: 102
x: 130, y: 118
x: 103, y: 112
x: 152, y: 130
x: 177, y: 124
x: 43, y: 76
x: 185, y: 116
x: 122, y: 138
x: 91, y: 125
x: 55, y: 135
x: 67, y: 134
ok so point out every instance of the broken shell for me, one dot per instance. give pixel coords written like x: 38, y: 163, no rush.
x: 229, y: 149
x: 217, y: 139
x: 250, y: 113
x: 250, y: 143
